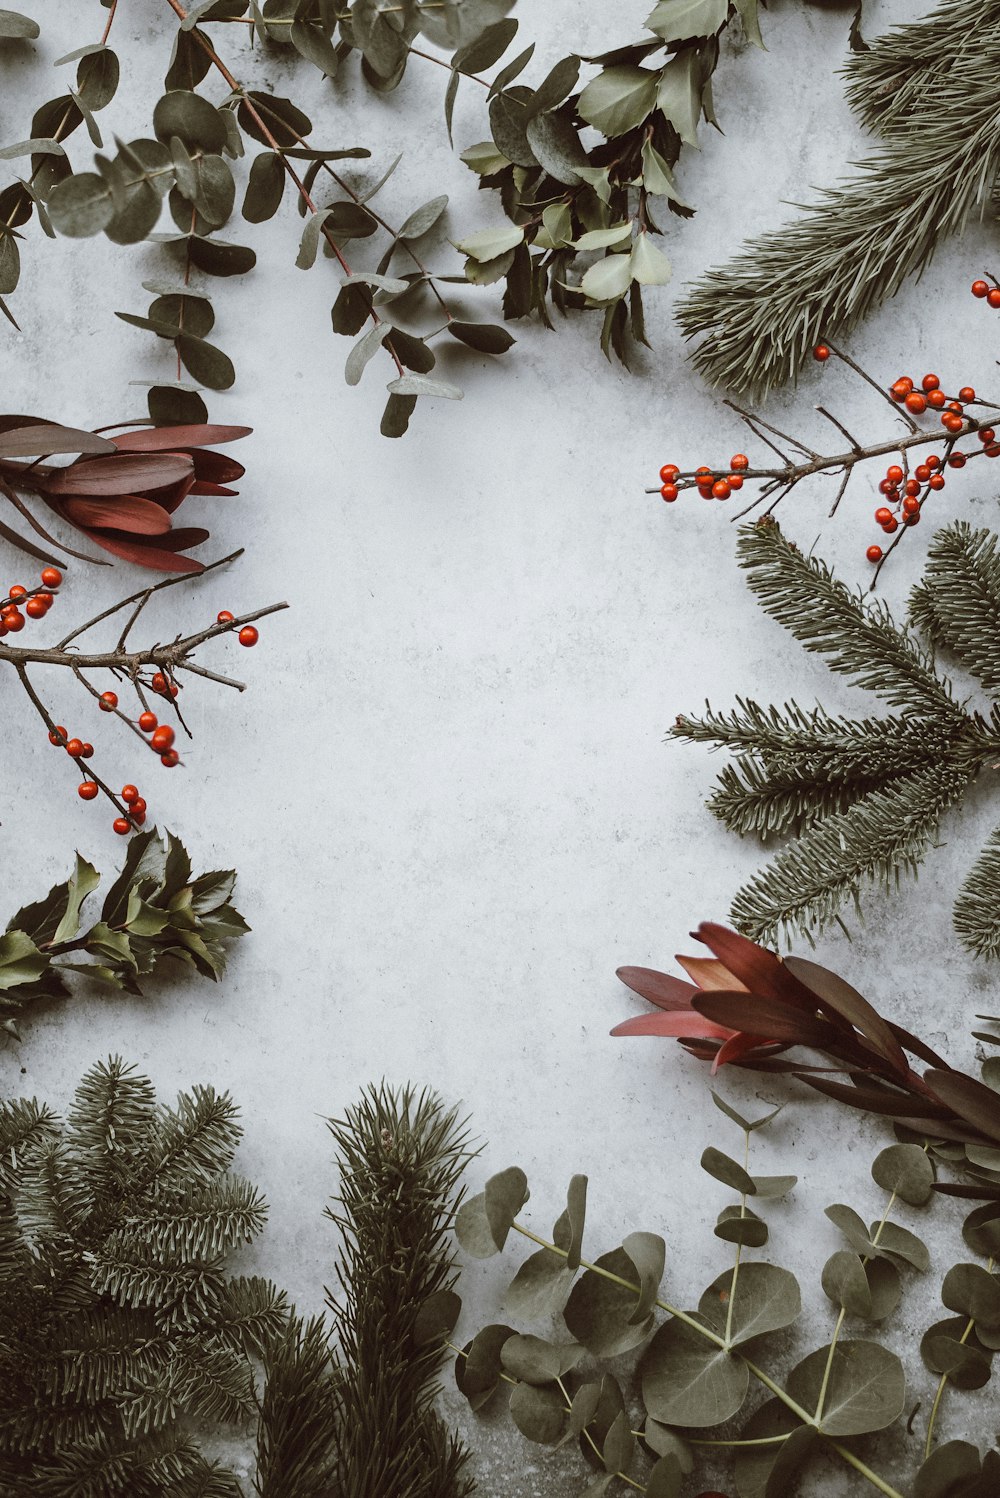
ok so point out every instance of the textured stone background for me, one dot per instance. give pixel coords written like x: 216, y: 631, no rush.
x: 446, y: 790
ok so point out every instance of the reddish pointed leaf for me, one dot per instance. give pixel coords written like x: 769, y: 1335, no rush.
x: 735, y: 1048
x: 659, y: 988
x: 170, y: 439
x: 978, y: 1104
x: 836, y: 994
x: 918, y: 1047
x: 160, y: 558
x: 707, y: 972
x: 125, y: 473
x: 33, y: 441
x: 875, y: 1100
x: 201, y: 486
x: 130, y: 513
x: 174, y: 496
x: 678, y: 1025
x: 216, y: 468
x: 760, y: 1014
x: 757, y: 968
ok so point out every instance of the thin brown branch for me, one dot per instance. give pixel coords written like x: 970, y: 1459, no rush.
x: 168, y: 582
x: 174, y: 655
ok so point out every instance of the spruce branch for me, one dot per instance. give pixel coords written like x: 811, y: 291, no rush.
x: 858, y: 639
x: 861, y: 799
x: 957, y: 605
x: 760, y: 315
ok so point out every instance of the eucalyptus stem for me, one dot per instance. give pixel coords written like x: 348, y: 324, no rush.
x: 866, y: 1259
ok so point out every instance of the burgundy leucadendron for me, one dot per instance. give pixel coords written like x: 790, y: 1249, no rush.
x: 120, y: 491
x: 744, y: 1006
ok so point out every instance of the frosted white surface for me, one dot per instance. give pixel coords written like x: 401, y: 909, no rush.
x: 446, y: 790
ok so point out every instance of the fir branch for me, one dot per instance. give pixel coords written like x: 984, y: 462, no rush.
x: 401, y: 1155
x: 977, y: 909
x: 957, y: 604
x: 858, y: 639
x: 751, y: 799
x: 761, y: 314
x: 887, y: 831
x: 295, y: 1448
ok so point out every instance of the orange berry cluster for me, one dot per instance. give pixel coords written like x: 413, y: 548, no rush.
x: 20, y: 605
x: 986, y: 293
x: 710, y: 484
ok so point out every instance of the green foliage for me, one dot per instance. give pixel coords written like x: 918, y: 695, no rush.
x: 153, y: 910
x: 118, y: 1325
x: 401, y: 1156
x: 861, y: 800
x: 760, y: 314
x: 695, y: 1369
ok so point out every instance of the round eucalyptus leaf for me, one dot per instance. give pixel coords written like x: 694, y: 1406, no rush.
x: 80, y: 206
x: 981, y: 1230
x: 885, y: 1285
x: 532, y: 1360
x: 741, y: 1226
x: 10, y: 264
x: 771, y: 1471
x: 853, y: 1228
x: 17, y: 28
x: 412, y: 352
x: 766, y: 1299
x: 271, y: 120
x: 485, y: 338
x: 436, y: 1318
x: 218, y: 258
x: 648, y: 1254
x: 265, y: 187
x: 972, y: 1291
x: 193, y: 314
x: 557, y: 146
x: 894, y: 1239
x: 424, y: 218
x: 191, y: 118
x: 688, y: 1380
x: 598, y: 1311
x: 205, y: 363
x: 905, y: 1169
x: 866, y: 1390
x: 508, y: 128
x: 949, y: 1347
x: 170, y: 406
x: 418, y: 384
x: 666, y: 1480
x: 846, y: 1284
x: 946, y: 1469
x: 478, y: 1367
x: 666, y: 1442
x: 540, y: 1286
x: 472, y: 1228
x: 538, y: 1413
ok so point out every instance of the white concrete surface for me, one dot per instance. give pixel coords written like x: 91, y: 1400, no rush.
x: 446, y: 790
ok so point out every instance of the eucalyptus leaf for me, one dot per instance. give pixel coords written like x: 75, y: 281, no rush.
x: 191, y: 118
x: 865, y: 1390
x: 557, y: 147
x: 765, y: 1299
x: 690, y: 1380
x: 486, y: 338
x: 265, y: 188
x: 538, y: 1413
x: 365, y: 349
x: 846, y: 1284
x: 535, y: 1361
x: 15, y: 27
x: 418, y: 384
x: 80, y: 206
x: 599, y: 1310
x: 770, y: 1471
x: 906, y: 1170
x: 424, y: 218
x: 557, y: 85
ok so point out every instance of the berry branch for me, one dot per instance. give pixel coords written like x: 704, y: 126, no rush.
x: 150, y: 672
x: 904, y: 493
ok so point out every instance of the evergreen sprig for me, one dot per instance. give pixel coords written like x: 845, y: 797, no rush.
x: 153, y: 910
x: 117, y: 1322
x: 861, y: 800
x: 760, y: 315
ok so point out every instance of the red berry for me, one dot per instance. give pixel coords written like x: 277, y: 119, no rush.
x: 88, y: 751
x: 821, y: 353
x: 225, y: 617
x: 955, y: 406
x: 108, y: 702
x: 51, y: 577
x: 669, y: 492
x: 249, y: 635
x: 147, y: 722
x: 170, y: 759
x: 58, y: 736
x: 936, y: 481
x: 987, y: 434
x: 163, y: 738
x: 704, y: 469
x: 882, y: 515
x: 894, y: 473
x: 993, y: 297
x: 912, y: 486
x: 951, y: 422
x: 14, y: 620
x: 159, y: 683
x: 912, y: 519
x: 129, y: 793
x: 138, y: 817
x: 930, y: 382
x: 736, y: 481
x: 122, y: 825
x: 17, y: 591
x: 75, y: 748
x: 137, y: 806
x: 993, y: 450
x: 916, y: 403
x: 35, y: 608
x: 936, y: 398
x: 740, y: 462
x: 87, y: 790
x: 174, y: 689
x: 892, y: 524
x: 933, y: 461
x: 667, y: 472
x: 900, y: 389
x: 874, y: 553
x: 967, y: 394
x: 886, y: 486
x: 979, y: 289
x: 720, y: 490
x: 910, y: 505
x: 957, y: 460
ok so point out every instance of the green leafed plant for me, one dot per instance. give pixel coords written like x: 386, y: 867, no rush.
x: 153, y: 910
x: 696, y: 1368
x: 118, y: 1324
x: 859, y: 801
x: 760, y: 315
